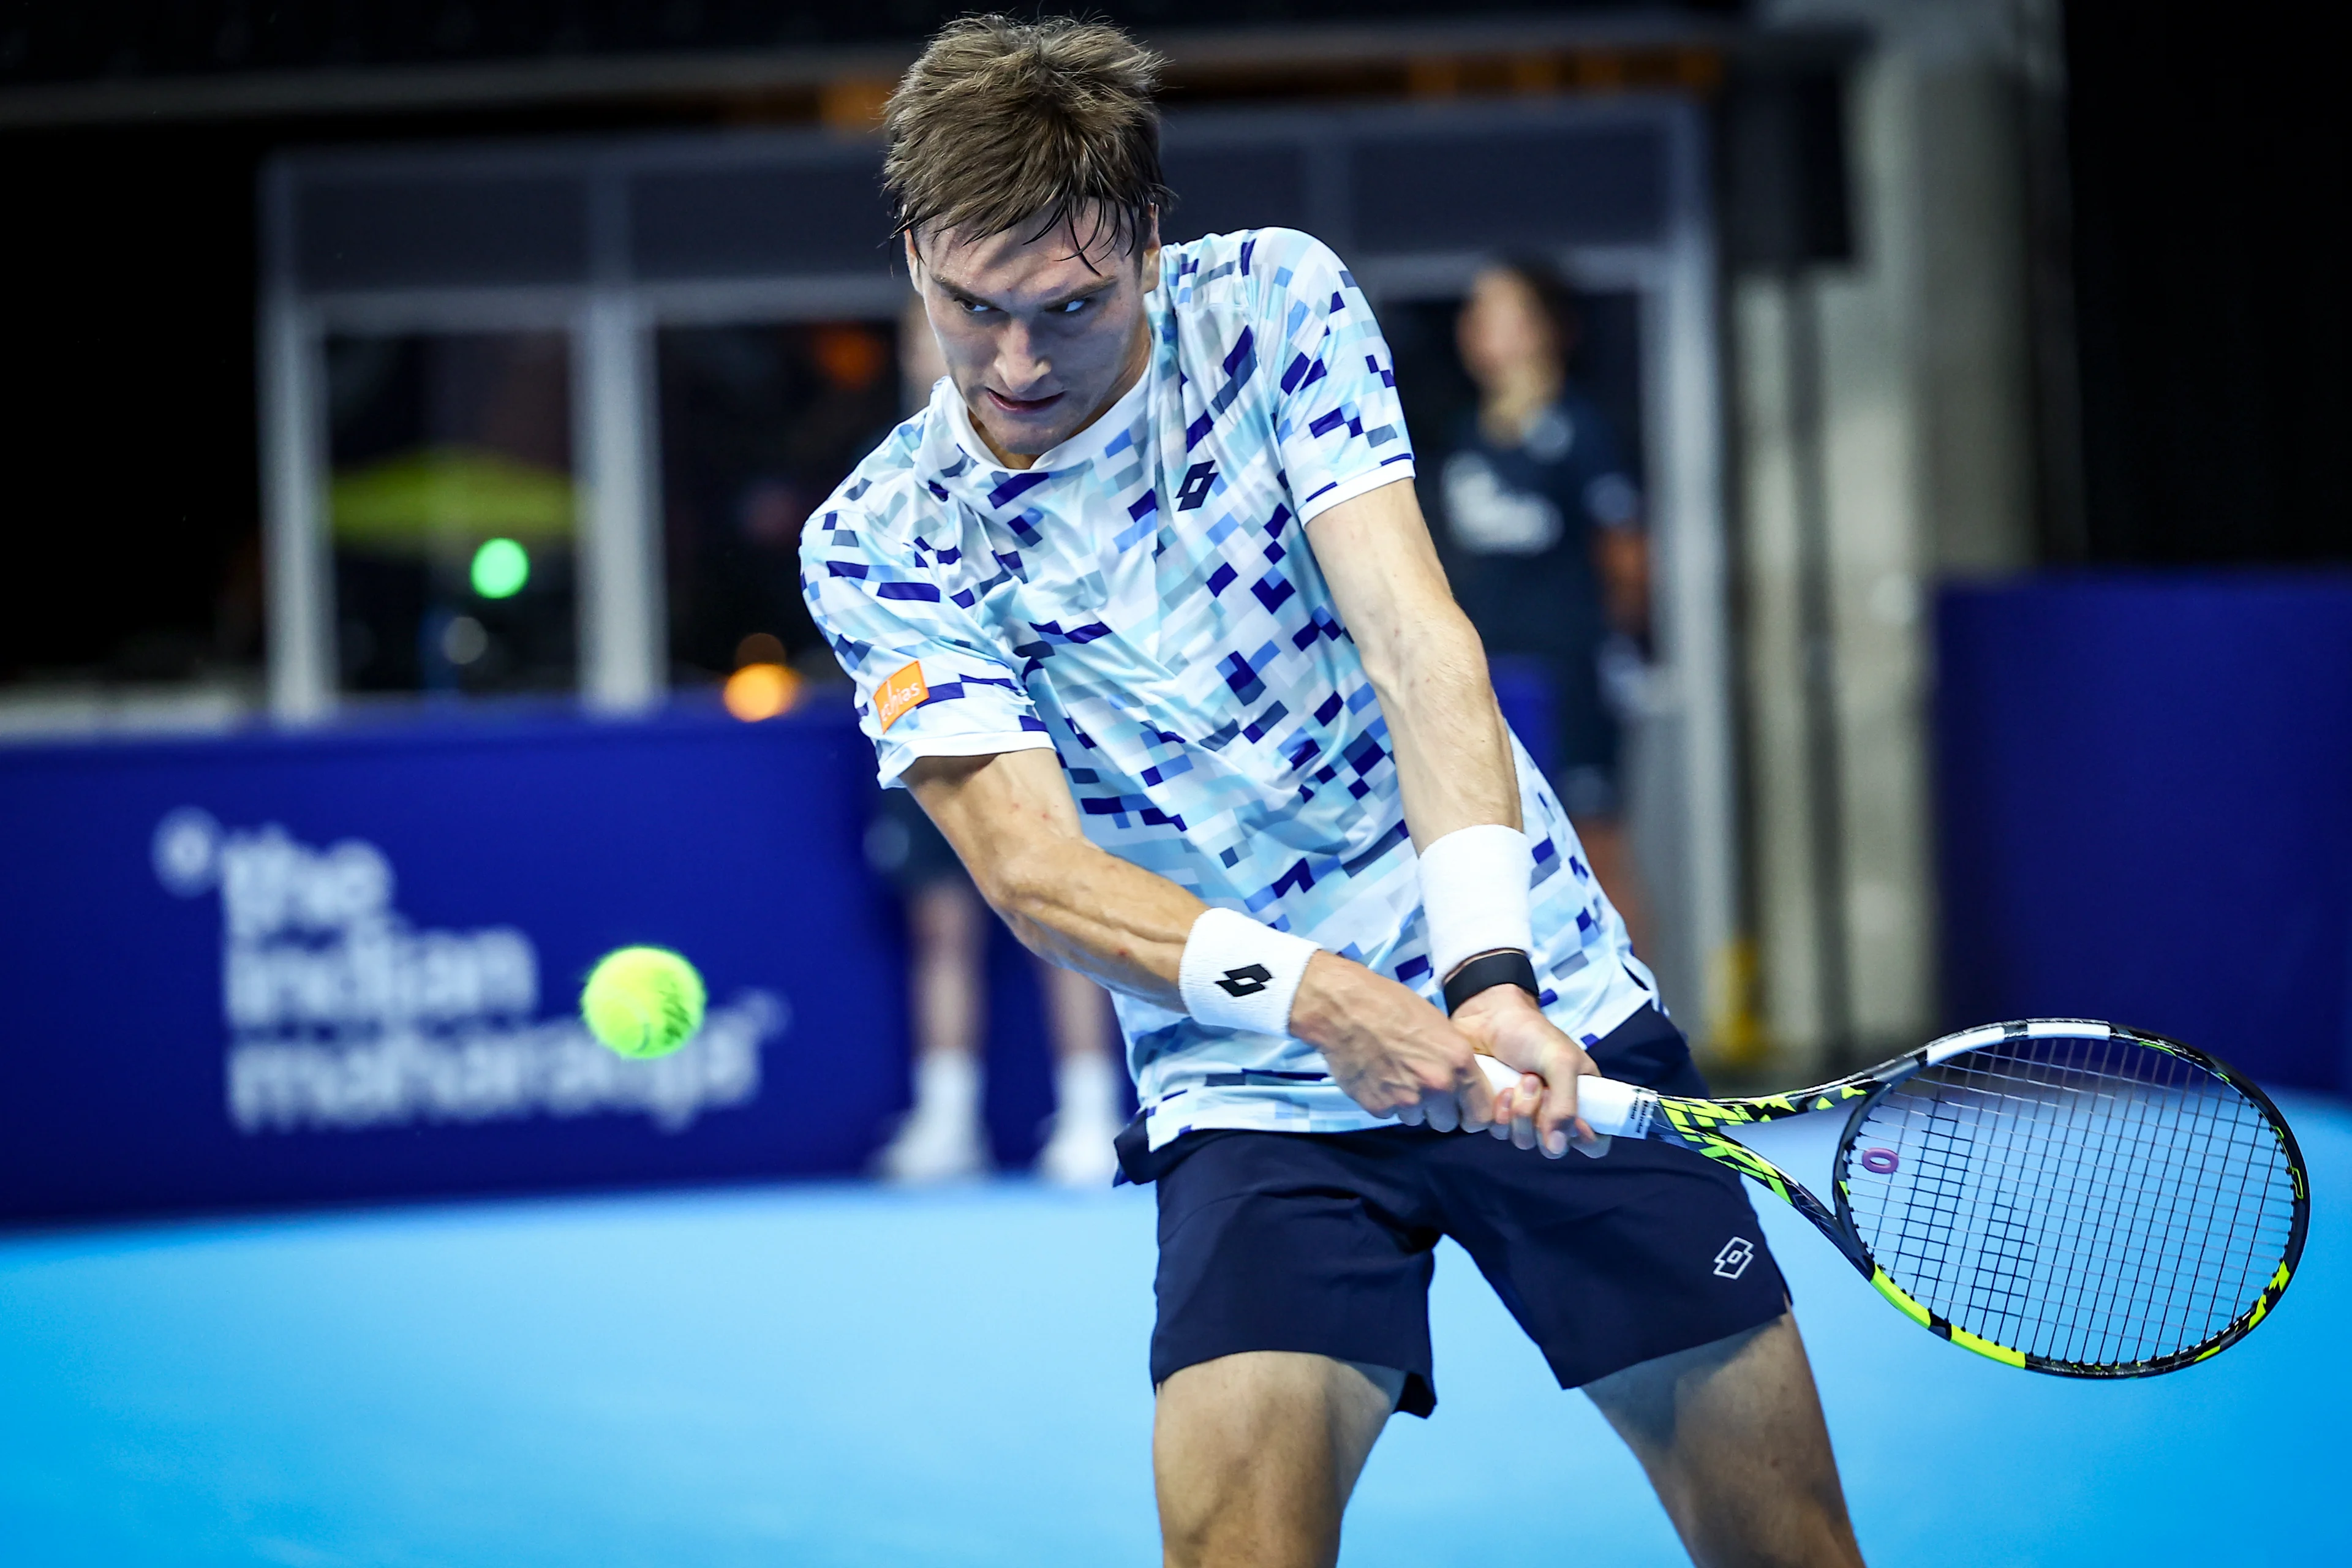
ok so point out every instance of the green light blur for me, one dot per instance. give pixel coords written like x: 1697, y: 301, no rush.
x: 500, y: 569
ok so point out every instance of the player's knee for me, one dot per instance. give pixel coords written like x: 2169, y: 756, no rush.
x: 1218, y: 1511
x: 1184, y: 1537
x: 1809, y: 1537
x: 1251, y: 1529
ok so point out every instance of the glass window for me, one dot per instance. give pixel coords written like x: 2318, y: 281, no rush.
x: 759, y: 424
x: 452, y: 506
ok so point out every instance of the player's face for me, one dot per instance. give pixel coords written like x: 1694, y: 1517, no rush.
x: 1038, y: 337
x: 1503, y: 333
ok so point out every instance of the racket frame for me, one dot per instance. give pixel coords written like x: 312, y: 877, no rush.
x: 1701, y: 1125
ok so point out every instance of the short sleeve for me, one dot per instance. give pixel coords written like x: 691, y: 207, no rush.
x: 1337, y: 418
x: 930, y: 681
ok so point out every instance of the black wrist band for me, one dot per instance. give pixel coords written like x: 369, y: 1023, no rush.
x: 1509, y: 966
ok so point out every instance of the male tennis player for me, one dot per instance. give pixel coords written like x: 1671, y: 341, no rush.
x: 1142, y: 609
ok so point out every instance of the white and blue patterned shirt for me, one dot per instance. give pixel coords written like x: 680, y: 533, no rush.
x: 1143, y: 601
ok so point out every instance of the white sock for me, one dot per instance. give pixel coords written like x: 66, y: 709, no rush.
x: 1086, y: 1089
x: 947, y: 1086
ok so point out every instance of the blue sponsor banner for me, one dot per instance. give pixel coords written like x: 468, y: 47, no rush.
x: 297, y: 968
x: 2145, y: 792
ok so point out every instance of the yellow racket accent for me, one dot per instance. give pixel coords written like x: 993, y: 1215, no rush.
x: 1985, y: 1347
x: 1896, y: 1293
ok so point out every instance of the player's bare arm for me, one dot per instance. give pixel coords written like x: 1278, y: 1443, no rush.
x: 1453, y: 768
x: 1012, y: 819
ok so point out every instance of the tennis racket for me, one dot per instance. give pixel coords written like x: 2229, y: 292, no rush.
x: 2058, y: 1195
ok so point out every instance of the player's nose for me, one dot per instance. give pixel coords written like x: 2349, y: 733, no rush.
x: 1020, y: 370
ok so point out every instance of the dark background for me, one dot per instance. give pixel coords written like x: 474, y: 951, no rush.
x: 2213, y: 246
x: 195, y: 37
x: 2208, y: 169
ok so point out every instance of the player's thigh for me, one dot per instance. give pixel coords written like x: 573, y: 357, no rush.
x: 1732, y: 1436
x: 1253, y: 1455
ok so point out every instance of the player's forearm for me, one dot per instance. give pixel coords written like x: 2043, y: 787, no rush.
x: 1016, y: 830
x: 1084, y: 909
x: 1453, y: 753
x: 1452, y: 750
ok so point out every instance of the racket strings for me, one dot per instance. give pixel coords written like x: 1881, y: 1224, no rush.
x: 2169, y: 1298
x: 2088, y: 1199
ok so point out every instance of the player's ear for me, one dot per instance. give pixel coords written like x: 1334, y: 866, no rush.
x: 1148, y: 248
x: 913, y: 257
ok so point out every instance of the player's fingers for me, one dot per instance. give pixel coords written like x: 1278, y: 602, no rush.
x: 1498, y: 1095
x: 1510, y: 1108
x: 1527, y: 1101
x: 1476, y: 1098
x: 1443, y: 1114
x: 1557, y: 1124
x: 1502, y: 1099
x: 1410, y: 1113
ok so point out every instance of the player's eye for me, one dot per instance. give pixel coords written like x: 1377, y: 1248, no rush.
x: 1072, y: 306
x: 974, y: 306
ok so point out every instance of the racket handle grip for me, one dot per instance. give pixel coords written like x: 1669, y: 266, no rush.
x: 1606, y: 1105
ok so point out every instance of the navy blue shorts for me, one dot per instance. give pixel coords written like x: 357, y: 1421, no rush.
x: 1324, y: 1242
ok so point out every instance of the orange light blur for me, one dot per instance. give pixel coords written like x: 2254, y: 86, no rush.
x: 851, y: 358
x: 759, y: 691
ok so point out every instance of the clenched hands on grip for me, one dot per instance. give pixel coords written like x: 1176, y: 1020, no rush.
x: 1397, y: 1056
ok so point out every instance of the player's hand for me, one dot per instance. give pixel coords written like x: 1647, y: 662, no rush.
x: 1392, y: 1052
x: 1504, y: 1023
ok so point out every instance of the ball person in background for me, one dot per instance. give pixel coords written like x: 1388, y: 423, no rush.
x: 1142, y: 610
x: 943, y: 1138
x: 1543, y: 527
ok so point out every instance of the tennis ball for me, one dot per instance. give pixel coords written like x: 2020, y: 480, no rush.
x: 642, y: 1001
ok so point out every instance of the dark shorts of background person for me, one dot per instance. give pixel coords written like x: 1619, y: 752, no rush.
x: 906, y: 849
x: 1556, y: 703
x: 1324, y: 1243
x: 1590, y: 743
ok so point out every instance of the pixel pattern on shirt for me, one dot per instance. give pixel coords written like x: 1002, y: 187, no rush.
x: 1143, y: 601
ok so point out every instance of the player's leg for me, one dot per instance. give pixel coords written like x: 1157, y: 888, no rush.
x: 1645, y: 1278
x: 942, y: 1138
x: 1293, y: 1269
x: 1089, y: 1108
x: 1732, y: 1436
x: 946, y: 927
x: 1253, y: 1455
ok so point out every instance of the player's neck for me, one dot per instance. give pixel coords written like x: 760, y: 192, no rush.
x: 1139, y: 356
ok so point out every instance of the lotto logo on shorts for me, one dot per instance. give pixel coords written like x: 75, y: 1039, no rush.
x: 904, y: 689
x: 1733, y: 1260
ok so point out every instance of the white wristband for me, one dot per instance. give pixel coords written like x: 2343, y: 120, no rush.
x: 1239, y: 973
x: 1474, y: 893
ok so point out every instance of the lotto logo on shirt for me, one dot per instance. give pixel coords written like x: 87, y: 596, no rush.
x: 903, y: 691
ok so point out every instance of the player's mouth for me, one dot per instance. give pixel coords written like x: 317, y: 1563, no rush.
x: 1020, y: 406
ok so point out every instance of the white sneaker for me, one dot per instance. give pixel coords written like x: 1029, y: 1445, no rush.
x: 1079, y: 1154
x: 932, y: 1149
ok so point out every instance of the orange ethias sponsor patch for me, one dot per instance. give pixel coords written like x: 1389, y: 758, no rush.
x: 905, y: 689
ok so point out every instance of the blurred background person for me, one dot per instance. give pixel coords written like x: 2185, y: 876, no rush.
x: 943, y: 1138
x: 1541, y: 527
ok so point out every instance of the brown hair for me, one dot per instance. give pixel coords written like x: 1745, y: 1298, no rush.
x: 1556, y: 299
x: 1003, y: 122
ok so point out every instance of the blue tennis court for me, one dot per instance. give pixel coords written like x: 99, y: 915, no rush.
x: 833, y: 1374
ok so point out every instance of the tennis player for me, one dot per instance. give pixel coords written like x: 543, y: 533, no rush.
x: 1142, y: 609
